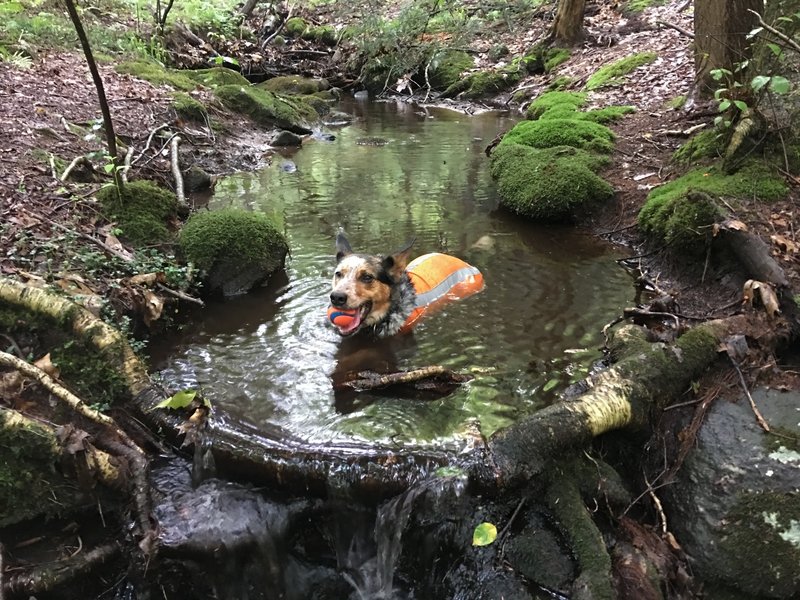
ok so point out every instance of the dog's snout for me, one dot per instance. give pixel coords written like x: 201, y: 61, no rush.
x: 338, y: 299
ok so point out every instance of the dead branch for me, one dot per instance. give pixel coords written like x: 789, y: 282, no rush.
x: 80, y: 160
x: 759, y: 417
x: 123, y: 174
x: 681, y: 30
x: 776, y: 32
x: 48, y: 576
x: 149, y: 141
x: 176, y: 170
x: 371, y: 381
x: 180, y: 295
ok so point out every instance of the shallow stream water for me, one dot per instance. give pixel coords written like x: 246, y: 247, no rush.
x: 398, y: 172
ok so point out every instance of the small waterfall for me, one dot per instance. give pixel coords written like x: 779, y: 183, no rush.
x: 369, y: 562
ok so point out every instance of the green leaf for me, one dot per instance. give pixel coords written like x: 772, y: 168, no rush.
x: 550, y: 385
x: 776, y: 50
x: 742, y: 106
x: 724, y: 105
x: 779, y: 85
x: 484, y: 534
x: 180, y: 400
x: 759, y: 81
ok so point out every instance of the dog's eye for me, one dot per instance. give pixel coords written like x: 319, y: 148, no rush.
x: 337, y: 274
x: 367, y: 278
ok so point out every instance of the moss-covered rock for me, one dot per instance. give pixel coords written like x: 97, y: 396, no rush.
x: 561, y: 101
x: 268, y: 109
x: 189, y: 108
x: 141, y: 210
x: 548, y: 133
x: 447, y: 67
x: 216, y: 77
x: 157, y: 74
x: 613, y: 73
x: 554, y: 57
x: 704, y: 145
x: 550, y: 184
x: 294, y: 84
x: 483, y: 83
x: 295, y: 27
x: 681, y: 212
x: 236, y: 249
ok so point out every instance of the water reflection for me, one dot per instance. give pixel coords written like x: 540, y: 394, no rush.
x: 270, y: 357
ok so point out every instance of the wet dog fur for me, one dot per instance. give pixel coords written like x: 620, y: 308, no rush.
x: 378, y: 287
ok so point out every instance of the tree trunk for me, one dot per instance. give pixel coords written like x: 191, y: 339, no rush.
x: 567, y: 29
x: 720, y: 30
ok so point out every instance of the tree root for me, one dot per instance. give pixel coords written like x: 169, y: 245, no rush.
x: 49, y: 576
x: 122, y: 445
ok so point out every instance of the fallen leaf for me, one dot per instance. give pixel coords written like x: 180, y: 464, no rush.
x: 154, y: 306
x: 46, y: 365
x: 785, y: 244
x: 181, y: 399
x: 484, y: 534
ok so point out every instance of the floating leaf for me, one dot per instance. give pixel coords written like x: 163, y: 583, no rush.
x: 484, y: 534
x: 180, y: 400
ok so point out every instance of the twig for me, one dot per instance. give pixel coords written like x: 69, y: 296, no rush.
x: 640, y: 312
x: 427, y: 81
x: 181, y: 295
x: 278, y: 29
x: 761, y: 421
x: 676, y: 28
x: 176, y: 170
x: 149, y: 140
x: 379, y: 381
x: 76, y: 161
x: 123, y: 174
x: 53, y: 166
x: 507, y: 525
x: 775, y: 32
x: 657, y: 503
x: 86, y: 236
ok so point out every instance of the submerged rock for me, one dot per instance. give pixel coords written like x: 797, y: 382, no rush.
x: 287, y: 138
x: 735, y: 506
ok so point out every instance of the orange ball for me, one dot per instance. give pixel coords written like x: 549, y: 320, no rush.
x: 341, y: 317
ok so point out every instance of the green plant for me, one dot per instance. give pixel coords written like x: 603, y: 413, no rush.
x: 614, y: 72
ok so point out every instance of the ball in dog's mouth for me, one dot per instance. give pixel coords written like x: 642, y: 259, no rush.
x: 348, y: 320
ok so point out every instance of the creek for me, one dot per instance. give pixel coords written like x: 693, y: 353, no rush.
x: 267, y: 360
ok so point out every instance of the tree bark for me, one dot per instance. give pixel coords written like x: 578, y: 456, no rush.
x: 108, y: 125
x: 567, y: 28
x: 720, y: 29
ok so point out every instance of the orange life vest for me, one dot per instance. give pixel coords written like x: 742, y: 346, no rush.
x: 438, y: 278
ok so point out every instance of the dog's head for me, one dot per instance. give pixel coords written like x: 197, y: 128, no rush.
x: 364, y: 283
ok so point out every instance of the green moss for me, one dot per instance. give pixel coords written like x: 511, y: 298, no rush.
x: 547, y: 133
x: 762, y: 536
x: 550, y: 184
x: 681, y: 211
x: 267, y: 108
x: 704, y: 145
x: 497, y: 52
x: 447, y: 68
x: 607, y: 114
x: 555, y: 57
x: 295, y: 27
x: 142, y: 210
x: 559, y: 83
x: 233, y: 237
x: 28, y: 474
x: 325, y: 34
x: 482, y: 83
x: 637, y: 6
x: 613, y: 73
x: 43, y: 157
x: 563, y: 101
x: 189, y: 108
x: 157, y: 74
x: 294, y: 84
x: 320, y: 105
x: 216, y: 77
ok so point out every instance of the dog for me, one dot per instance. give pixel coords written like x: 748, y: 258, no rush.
x: 386, y: 295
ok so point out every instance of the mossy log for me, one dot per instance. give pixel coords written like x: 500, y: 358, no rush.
x: 646, y: 377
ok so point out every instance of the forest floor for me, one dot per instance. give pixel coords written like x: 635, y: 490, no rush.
x: 50, y: 117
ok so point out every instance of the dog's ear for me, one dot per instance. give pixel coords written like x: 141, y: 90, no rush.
x: 342, y: 247
x: 395, y: 264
